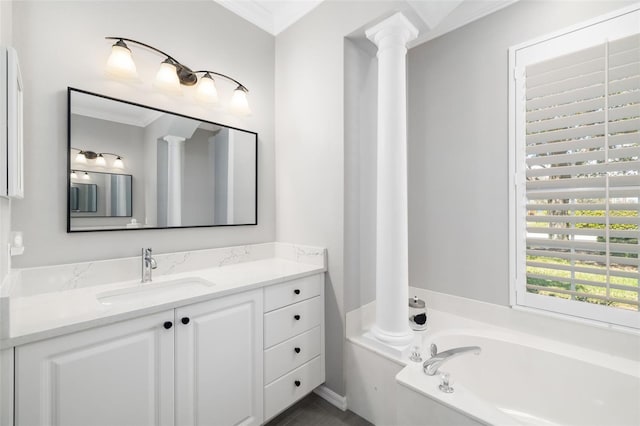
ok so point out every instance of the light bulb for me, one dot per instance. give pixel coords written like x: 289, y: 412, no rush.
x: 206, y: 90
x: 74, y: 175
x: 80, y: 158
x: 239, y: 103
x: 118, y: 163
x: 167, y: 77
x: 86, y: 176
x: 100, y: 161
x: 120, y: 63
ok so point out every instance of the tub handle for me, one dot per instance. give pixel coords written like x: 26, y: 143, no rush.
x: 444, y: 384
x: 433, y: 349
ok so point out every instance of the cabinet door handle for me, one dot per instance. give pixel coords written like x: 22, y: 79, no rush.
x: 296, y: 291
x: 297, y: 317
x: 167, y: 324
x: 185, y: 320
x: 297, y: 383
x: 297, y: 350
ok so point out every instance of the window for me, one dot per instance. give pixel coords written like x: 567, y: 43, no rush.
x: 575, y: 134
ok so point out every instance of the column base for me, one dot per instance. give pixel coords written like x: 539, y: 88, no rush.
x: 395, y: 340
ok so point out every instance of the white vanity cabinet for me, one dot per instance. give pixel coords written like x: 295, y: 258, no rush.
x: 209, y: 354
x: 293, y: 341
x: 234, y: 359
x: 219, y: 361
x: 119, y: 374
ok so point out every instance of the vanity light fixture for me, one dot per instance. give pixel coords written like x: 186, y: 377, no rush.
x: 74, y: 175
x: 120, y: 63
x: 86, y: 176
x: 172, y: 75
x: 206, y: 90
x: 84, y: 156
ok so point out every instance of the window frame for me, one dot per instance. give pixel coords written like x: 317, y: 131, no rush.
x: 565, y: 41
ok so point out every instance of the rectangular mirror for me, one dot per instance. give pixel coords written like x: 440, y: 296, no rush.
x: 135, y: 167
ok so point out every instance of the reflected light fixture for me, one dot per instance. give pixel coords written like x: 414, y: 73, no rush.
x: 86, y: 176
x: 86, y: 157
x: 100, y: 161
x: 173, y: 74
x: 118, y: 163
x: 74, y: 175
x: 81, y: 158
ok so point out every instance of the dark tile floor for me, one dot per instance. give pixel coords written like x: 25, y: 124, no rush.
x: 315, y: 411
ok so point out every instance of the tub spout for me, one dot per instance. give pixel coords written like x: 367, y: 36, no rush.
x: 432, y: 365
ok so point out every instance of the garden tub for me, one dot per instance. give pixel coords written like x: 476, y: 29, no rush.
x: 520, y: 379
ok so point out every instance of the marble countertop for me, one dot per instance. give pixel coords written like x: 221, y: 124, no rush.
x: 46, y: 315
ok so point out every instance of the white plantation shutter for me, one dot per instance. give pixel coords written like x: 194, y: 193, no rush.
x: 579, y: 183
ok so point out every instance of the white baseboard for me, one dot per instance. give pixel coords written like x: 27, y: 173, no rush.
x: 331, y: 397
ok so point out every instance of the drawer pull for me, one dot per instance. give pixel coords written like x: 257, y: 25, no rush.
x: 297, y: 383
x: 185, y: 320
x: 167, y: 324
x: 297, y: 350
x: 297, y: 317
x: 296, y: 291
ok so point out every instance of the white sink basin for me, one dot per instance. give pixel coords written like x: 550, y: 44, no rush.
x: 165, y: 289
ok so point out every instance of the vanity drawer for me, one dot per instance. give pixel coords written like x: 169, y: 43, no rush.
x: 291, y: 387
x: 284, y: 294
x: 291, y: 354
x: 284, y: 323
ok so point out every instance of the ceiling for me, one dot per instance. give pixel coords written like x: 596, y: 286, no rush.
x: 432, y: 17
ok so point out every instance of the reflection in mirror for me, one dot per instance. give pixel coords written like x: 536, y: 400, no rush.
x: 108, y: 195
x: 180, y: 171
x: 83, y: 198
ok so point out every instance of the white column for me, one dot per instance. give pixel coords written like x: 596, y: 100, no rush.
x: 175, y: 149
x: 392, y: 263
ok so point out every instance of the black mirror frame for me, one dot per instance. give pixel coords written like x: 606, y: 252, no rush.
x: 68, y: 180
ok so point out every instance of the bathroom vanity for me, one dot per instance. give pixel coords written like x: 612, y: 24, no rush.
x: 224, y: 336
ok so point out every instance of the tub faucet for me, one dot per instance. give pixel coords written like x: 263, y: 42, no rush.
x: 431, y: 365
x: 148, y: 265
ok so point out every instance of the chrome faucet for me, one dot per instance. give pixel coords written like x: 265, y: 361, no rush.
x: 431, y: 365
x: 148, y: 265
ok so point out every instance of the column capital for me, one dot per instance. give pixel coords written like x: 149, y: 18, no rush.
x: 396, y: 26
x: 174, y: 139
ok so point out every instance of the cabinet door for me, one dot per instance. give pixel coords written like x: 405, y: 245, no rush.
x: 219, y: 361
x: 120, y: 374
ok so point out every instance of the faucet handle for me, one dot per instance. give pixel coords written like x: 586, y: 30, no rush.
x: 445, y: 386
x: 434, y: 349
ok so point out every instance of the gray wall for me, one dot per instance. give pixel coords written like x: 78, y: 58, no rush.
x: 360, y: 156
x: 310, y: 150
x: 67, y: 40
x: 458, y: 147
